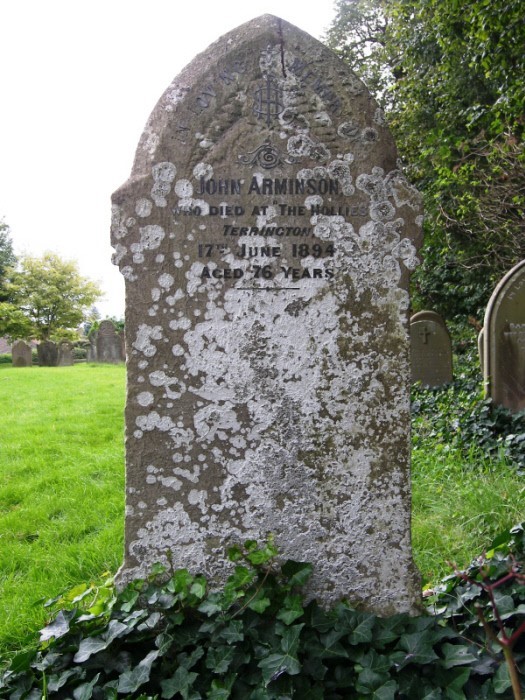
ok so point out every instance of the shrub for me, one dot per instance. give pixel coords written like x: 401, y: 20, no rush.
x: 80, y: 352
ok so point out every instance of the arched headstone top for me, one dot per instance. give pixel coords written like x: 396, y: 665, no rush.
x: 266, y: 111
x: 429, y: 316
x: 504, y: 341
x: 257, y: 71
x: 107, y: 327
x: 431, y: 349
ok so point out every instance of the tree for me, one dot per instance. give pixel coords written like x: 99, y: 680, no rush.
x: 360, y: 35
x: 13, y: 322
x: 91, y: 319
x: 450, y: 77
x: 51, y: 294
x: 7, y: 256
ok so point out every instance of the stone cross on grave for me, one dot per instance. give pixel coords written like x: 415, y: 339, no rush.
x: 424, y: 334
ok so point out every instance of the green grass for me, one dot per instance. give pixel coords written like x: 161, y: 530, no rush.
x: 62, y: 485
x: 460, y: 503
x: 62, y: 491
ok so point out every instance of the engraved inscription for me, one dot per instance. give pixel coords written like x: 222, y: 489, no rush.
x: 268, y: 100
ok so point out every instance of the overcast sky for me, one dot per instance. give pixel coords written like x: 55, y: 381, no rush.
x: 78, y: 81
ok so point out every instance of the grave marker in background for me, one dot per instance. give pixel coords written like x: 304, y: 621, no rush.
x: 266, y: 238
x: 108, y: 343
x: 431, y: 349
x: 21, y: 354
x: 504, y: 341
x: 91, y: 355
x: 65, y: 354
x: 47, y: 352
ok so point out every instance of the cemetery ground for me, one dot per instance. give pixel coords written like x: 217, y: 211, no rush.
x: 62, y: 494
x: 62, y: 500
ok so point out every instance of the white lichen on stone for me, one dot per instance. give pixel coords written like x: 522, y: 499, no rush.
x: 145, y: 334
x: 143, y: 207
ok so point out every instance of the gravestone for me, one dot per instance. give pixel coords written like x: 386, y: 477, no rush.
x: 109, y: 344
x: 504, y: 341
x: 21, y: 354
x: 65, y: 354
x: 47, y: 352
x: 431, y: 350
x: 266, y: 237
x: 91, y: 355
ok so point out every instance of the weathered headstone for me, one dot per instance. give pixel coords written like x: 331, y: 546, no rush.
x: 431, y: 349
x: 91, y: 355
x: 21, y: 354
x: 65, y: 354
x: 109, y: 343
x: 47, y: 352
x: 504, y: 341
x: 266, y: 238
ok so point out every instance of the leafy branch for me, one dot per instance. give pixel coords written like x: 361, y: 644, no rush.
x: 505, y: 640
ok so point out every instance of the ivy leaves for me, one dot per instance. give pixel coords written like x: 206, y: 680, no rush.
x: 257, y: 639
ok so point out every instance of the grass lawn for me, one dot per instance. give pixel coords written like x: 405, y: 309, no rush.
x: 459, y: 504
x: 62, y: 491
x: 62, y: 485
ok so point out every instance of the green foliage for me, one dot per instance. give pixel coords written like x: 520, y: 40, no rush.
x: 467, y: 459
x: 449, y: 75
x: 80, y: 351
x: 256, y: 638
x: 360, y: 34
x: 457, y: 417
x: 7, y: 256
x: 485, y: 605
x: 14, y: 323
x: 51, y: 294
x: 447, y: 284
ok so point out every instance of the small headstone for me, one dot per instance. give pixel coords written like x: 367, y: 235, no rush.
x: 65, y: 354
x: 21, y: 354
x: 504, y: 341
x: 109, y: 344
x: 47, y: 352
x: 266, y: 238
x: 91, y: 355
x: 431, y: 350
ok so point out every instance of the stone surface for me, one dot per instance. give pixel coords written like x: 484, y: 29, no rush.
x: 47, y: 352
x: 91, y: 355
x: 481, y: 349
x: 108, y: 344
x: 431, y: 349
x: 504, y: 341
x: 65, y: 354
x: 21, y: 355
x: 266, y: 238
